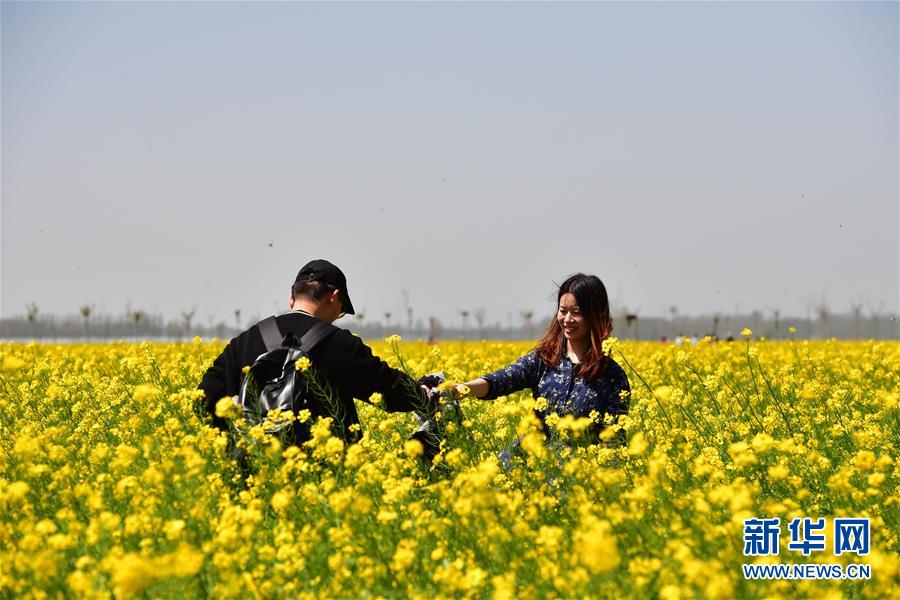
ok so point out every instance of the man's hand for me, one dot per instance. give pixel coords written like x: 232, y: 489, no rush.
x: 431, y: 380
x: 429, y: 384
x: 430, y: 392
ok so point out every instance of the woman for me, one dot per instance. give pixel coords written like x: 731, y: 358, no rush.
x: 568, y: 366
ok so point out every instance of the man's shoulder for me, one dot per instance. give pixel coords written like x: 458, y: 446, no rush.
x: 299, y: 323
x: 291, y: 320
x: 347, y: 339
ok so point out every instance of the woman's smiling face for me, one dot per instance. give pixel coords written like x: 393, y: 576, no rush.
x: 571, y: 320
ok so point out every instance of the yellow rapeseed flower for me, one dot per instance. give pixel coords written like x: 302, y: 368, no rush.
x: 281, y: 500
x: 413, y: 448
x: 12, y: 363
x: 226, y: 408
x: 638, y: 444
x: 609, y: 344
x: 595, y: 546
x: 130, y: 574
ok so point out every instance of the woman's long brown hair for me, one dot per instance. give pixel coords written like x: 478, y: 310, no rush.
x: 590, y: 294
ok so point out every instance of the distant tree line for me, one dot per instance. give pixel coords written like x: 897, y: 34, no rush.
x: 472, y: 325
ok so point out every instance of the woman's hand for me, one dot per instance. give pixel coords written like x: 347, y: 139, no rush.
x: 460, y: 390
x: 478, y: 388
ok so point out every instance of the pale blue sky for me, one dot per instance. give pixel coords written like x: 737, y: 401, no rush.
x: 704, y: 155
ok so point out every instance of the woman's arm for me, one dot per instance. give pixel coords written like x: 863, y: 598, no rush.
x: 477, y: 387
x: 520, y: 375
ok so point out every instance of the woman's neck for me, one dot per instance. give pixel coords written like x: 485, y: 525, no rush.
x: 578, y: 348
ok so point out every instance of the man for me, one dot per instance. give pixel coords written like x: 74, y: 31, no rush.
x: 340, y: 360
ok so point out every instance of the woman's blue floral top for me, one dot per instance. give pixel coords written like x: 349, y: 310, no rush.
x: 566, y: 393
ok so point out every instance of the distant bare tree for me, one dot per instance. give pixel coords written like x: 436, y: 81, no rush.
x: 434, y: 328
x: 527, y: 316
x: 755, y: 317
x: 810, y: 306
x: 823, y: 312
x: 186, y: 317
x: 31, y: 311
x: 409, y: 310
x: 631, y: 321
x: 480, y: 316
x: 237, y: 318
x: 137, y: 316
x: 876, y: 317
x: 673, y: 310
x: 465, y: 320
x: 857, y: 319
x: 86, y: 315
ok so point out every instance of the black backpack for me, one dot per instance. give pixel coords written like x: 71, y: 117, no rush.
x: 273, y: 382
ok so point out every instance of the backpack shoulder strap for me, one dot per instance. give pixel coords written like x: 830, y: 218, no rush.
x: 271, y: 333
x: 319, y: 332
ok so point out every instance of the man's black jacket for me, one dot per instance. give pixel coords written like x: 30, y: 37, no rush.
x: 342, y: 360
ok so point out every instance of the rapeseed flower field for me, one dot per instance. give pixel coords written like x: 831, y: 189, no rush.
x: 111, y: 485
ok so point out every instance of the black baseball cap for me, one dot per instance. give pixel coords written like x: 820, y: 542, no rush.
x: 322, y: 270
